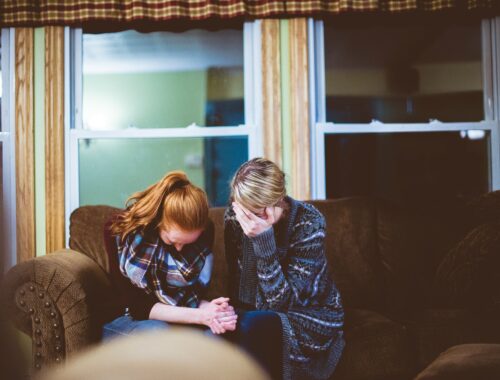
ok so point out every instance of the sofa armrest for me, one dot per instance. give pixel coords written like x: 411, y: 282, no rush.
x: 61, y: 300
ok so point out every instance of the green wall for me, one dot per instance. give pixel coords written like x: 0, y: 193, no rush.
x: 144, y: 100
x: 112, y: 169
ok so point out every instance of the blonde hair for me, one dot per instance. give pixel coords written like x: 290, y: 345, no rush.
x: 258, y: 183
x: 171, y: 202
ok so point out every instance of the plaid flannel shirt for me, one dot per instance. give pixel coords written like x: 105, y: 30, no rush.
x: 176, y: 278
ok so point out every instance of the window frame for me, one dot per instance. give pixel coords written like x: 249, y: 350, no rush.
x: 74, y: 131
x: 8, y: 240
x: 490, y: 41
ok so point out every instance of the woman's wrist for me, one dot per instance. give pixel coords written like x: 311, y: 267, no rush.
x: 177, y: 314
x: 201, y: 317
x: 264, y: 243
x: 203, y: 303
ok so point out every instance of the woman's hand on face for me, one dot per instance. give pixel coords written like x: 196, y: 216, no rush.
x: 251, y: 224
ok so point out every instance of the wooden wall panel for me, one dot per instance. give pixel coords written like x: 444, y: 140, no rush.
x: 54, y: 137
x: 24, y: 145
x: 271, y: 89
x: 299, y: 110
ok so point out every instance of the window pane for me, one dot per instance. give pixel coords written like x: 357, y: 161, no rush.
x: 162, y: 79
x: 1, y: 82
x: 408, y: 167
x: 1, y: 190
x: 400, y: 74
x: 119, y: 167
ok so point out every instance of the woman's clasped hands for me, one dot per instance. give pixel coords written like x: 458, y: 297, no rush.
x: 218, y: 315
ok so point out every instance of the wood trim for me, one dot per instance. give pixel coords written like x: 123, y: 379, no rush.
x: 271, y: 90
x: 299, y: 110
x: 24, y: 145
x: 54, y: 137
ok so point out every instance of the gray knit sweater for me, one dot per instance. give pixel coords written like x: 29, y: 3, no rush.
x: 285, y: 270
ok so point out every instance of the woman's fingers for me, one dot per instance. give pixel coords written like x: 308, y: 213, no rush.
x: 228, y: 320
x: 228, y: 317
x: 244, y: 222
x: 245, y: 211
x: 219, y: 328
x: 271, y: 214
x: 240, y: 214
x: 229, y: 326
x: 220, y: 300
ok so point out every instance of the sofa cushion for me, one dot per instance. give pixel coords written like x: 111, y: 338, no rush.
x: 435, y: 330
x: 351, y: 248
x: 376, y: 348
x: 485, y: 208
x: 468, y: 276
x: 411, y: 244
x: 466, y: 361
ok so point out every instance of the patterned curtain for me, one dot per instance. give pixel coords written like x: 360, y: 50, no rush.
x: 71, y: 12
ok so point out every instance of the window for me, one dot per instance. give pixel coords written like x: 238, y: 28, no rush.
x: 148, y: 103
x: 7, y: 200
x: 405, y: 112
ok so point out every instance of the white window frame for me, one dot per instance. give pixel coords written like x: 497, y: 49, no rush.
x: 74, y: 131
x: 8, y: 240
x: 490, y: 30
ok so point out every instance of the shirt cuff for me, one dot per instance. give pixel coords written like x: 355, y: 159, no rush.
x: 264, y: 245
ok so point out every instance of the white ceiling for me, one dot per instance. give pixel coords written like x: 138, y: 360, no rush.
x: 131, y: 51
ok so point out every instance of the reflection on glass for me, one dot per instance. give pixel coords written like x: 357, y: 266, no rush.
x: 402, y: 74
x: 408, y: 168
x: 162, y: 79
x: 112, y: 169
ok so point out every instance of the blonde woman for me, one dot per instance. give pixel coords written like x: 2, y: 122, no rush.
x: 160, y: 260
x: 290, y: 312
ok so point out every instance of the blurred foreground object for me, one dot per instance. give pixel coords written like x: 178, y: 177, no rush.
x: 175, y: 354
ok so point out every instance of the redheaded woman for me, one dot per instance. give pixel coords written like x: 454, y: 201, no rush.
x: 161, y: 262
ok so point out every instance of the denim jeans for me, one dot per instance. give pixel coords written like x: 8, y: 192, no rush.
x: 260, y: 334
x: 126, y: 325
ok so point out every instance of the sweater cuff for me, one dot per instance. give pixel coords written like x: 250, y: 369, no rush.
x: 264, y: 245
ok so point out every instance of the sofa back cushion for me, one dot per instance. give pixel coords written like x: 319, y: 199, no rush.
x: 86, y: 232
x: 411, y: 243
x: 219, y: 281
x: 351, y: 248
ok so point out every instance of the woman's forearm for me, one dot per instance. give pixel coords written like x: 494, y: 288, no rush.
x: 176, y: 314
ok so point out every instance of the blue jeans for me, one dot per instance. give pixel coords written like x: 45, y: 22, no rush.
x: 260, y: 334
x: 125, y: 325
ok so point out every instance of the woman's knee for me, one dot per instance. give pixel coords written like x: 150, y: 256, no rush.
x: 259, y: 322
x: 149, y: 324
x: 125, y: 325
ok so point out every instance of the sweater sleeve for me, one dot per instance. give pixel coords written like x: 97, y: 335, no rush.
x: 138, y: 302
x: 295, y: 282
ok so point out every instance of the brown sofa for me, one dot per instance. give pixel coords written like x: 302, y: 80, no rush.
x: 399, y: 317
